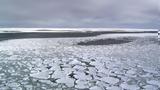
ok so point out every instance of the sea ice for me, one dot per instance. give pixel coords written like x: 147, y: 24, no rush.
x: 150, y: 87
x: 60, y: 63
x: 114, y: 88
x: 154, y: 82
x: 82, y: 76
x: 110, y: 80
x: 66, y: 80
x: 58, y: 74
x: 96, y: 88
x: 41, y: 75
x: 129, y: 87
x: 81, y: 84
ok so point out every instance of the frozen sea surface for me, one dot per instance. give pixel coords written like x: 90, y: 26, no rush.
x: 61, y: 64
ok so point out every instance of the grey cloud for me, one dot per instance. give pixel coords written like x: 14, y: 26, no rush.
x: 80, y: 13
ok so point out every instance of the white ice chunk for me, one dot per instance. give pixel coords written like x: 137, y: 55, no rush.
x: 114, y: 88
x: 92, y: 70
x: 66, y: 80
x: 149, y: 70
x: 58, y: 74
x: 55, y: 66
x: 131, y: 72
x: 77, y: 67
x: 81, y: 84
x: 129, y: 87
x: 96, y: 88
x: 82, y: 76
x: 68, y: 71
x: 150, y: 87
x: 110, y: 80
x: 154, y: 82
x: 102, y: 84
x: 75, y: 62
x: 41, y: 75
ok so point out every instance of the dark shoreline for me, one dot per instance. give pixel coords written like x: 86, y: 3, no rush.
x: 21, y: 35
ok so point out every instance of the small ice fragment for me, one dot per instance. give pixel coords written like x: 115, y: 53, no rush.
x: 81, y: 84
x: 66, y: 80
x: 154, y: 82
x: 150, y: 87
x: 82, y: 76
x: 75, y: 62
x: 110, y: 80
x: 149, y: 70
x: 129, y: 87
x: 131, y: 72
x: 58, y: 74
x: 77, y: 67
x: 114, y: 88
x: 41, y: 75
x: 95, y: 88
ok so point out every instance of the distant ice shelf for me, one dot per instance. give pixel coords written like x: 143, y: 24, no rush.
x: 15, y: 30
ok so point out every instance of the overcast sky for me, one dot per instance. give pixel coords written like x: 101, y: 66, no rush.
x: 80, y: 13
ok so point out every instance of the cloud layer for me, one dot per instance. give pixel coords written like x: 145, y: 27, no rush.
x: 80, y: 13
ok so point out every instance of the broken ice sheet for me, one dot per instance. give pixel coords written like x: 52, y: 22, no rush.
x: 61, y: 64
